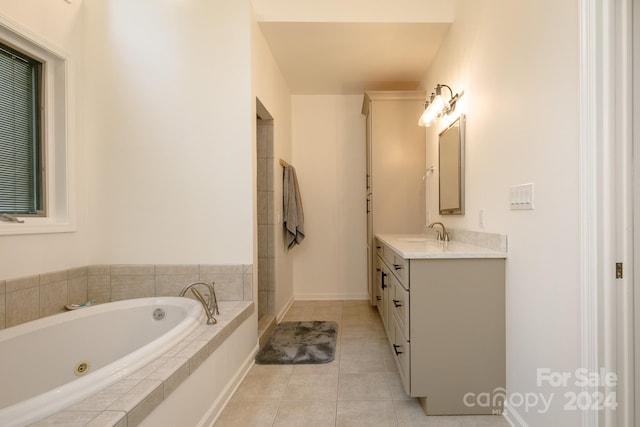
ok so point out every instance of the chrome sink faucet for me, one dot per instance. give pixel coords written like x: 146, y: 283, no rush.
x: 441, y: 236
x: 210, y: 307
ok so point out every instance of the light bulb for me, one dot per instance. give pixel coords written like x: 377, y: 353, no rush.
x: 438, y: 105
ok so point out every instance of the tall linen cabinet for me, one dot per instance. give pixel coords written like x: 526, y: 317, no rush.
x: 395, y: 187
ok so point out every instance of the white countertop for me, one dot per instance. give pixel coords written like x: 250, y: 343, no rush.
x: 414, y: 246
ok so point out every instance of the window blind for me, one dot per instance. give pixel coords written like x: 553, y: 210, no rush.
x: 20, y: 188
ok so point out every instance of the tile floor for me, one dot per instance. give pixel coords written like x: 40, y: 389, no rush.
x: 361, y: 387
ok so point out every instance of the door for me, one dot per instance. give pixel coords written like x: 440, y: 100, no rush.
x: 369, y: 207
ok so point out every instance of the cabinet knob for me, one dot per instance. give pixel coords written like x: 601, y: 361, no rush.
x: 397, y: 266
x: 397, y: 303
x: 378, y: 297
x: 395, y: 348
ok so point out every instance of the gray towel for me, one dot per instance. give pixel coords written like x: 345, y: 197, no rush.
x: 293, y: 214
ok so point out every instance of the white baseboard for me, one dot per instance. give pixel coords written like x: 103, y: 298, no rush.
x: 319, y: 297
x: 325, y: 297
x: 284, y: 310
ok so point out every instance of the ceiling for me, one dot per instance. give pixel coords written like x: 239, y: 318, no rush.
x: 349, y: 58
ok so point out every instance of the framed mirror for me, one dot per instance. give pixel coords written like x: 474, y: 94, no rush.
x: 451, y: 166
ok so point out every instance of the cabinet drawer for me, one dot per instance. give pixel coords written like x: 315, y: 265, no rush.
x: 398, y: 265
x: 400, y: 305
x: 379, y: 247
x: 402, y: 350
x: 388, y: 255
x: 401, y: 268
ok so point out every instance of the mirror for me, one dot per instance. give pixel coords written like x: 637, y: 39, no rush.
x: 451, y: 166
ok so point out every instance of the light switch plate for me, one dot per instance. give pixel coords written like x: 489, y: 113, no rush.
x: 521, y: 197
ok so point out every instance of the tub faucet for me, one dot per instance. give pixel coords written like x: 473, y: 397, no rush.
x: 442, y: 236
x: 211, y: 306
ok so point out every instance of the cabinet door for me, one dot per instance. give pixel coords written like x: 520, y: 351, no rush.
x: 377, y: 284
x: 397, y: 166
x: 369, y: 208
x: 399, y: 305
x: 382, y: 274
x: 384, y: 285
x: 402, y: 351
x: 457, y: 332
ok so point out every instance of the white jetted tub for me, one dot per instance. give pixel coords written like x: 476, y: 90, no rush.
x: 53, y: 362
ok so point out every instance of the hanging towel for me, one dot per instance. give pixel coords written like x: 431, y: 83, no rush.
x: 293, y: 214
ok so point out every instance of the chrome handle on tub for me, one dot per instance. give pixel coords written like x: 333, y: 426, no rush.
x: 395, y: 348
x: 397, y: 303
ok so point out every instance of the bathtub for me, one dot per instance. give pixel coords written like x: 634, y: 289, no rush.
x: 51, y: 363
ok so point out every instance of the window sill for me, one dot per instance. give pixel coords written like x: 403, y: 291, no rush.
x: 35, y: 226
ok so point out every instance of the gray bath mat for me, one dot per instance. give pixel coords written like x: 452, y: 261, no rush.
x: 293, y: 343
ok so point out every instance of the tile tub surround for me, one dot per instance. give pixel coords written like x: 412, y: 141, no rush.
x: 127, y: 402
x: 39, y: 295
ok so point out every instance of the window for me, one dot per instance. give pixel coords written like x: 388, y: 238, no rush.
x: 21, y: 149
x: 37, y: 151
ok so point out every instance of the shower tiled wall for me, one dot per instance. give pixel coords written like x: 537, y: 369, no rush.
x: 265, y: 185
x: 31, y: 297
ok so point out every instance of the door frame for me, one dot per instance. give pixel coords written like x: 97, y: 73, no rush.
x: 606, y: 190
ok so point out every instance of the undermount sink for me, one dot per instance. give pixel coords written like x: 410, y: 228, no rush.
x: 416, y: 240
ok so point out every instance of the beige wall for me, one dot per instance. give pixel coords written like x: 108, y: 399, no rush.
x: 518, y: 66
x: 169, y: 131
x: 329, y: 156
x: 164, y: 125
x: 163, y: 133
x: 271, y: 89
x: 59, y: 25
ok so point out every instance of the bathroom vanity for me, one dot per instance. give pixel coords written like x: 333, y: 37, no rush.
x: 443, y: 307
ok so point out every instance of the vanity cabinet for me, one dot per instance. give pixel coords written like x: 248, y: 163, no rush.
x: 445, y: 321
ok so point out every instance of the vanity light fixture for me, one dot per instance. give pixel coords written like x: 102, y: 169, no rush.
x: 436, y: 107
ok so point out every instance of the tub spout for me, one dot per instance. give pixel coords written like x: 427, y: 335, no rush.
x: 210, y: 319
x: 211, y: 306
